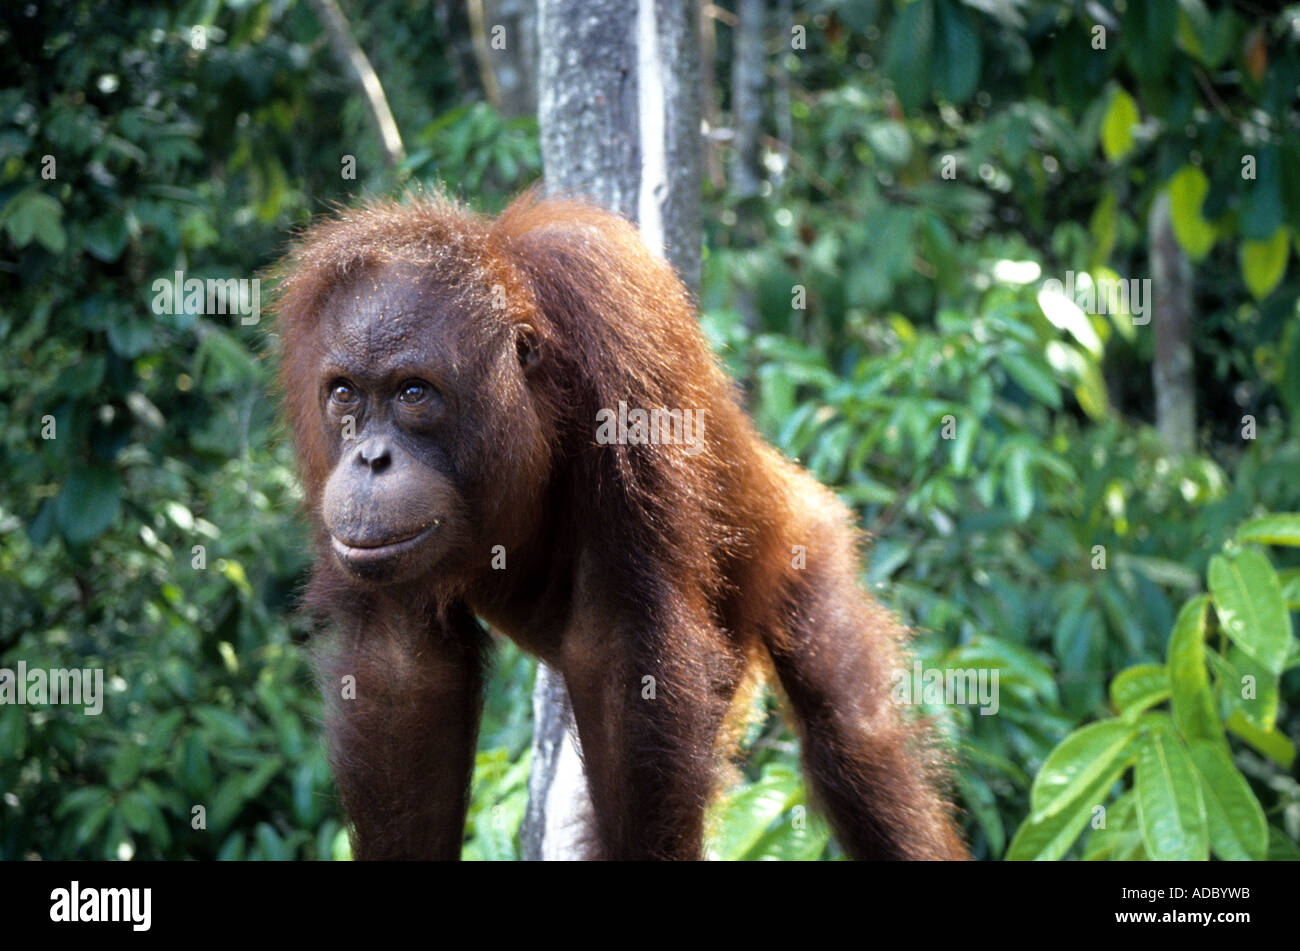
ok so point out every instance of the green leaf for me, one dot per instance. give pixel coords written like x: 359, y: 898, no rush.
x: 258, y: 777
x: 978, y: 798
x: 1264, y: 262
x: 1171, y: 810
x: 227, y: 726
x: 1271, y: 743
x: 1260, y: 214
x: 958, y: 70
x: 1248, y: 599
x: 1290, y: 579
x: 1149, y: 38
x: 1135, y: 689
x: 1019, y: 487
x: 1103, y: 226
x: 1050, y: 837
x: 1193, y: 706
x: 1076, y: 763
x: 1187, y: 190
x: 911, y: 48
x: 1121, y: 836
x: 1280, y: 846
x: 125, y: 766
x: 1281, y: 528
x: 91, y: 821
x: 88, y: 503
x: 890, y: 140
x: 745, y: 813
x: 137, y: 811
x: 1235, y: 819
x: 789, y: 841
x: 196, y: 767
x: 1232, y: 673
x: 1117, y: 126
x: 105, y: 238
x: 1031, y: 376
x: 33, y: 214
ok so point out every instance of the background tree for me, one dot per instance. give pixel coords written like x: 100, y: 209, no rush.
x: 638, y: 153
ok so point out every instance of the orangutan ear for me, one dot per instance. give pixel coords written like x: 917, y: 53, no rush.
x: 528, y: 347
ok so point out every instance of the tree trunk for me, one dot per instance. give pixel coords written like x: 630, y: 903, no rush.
x: 748, y: 80
x: 1171, y: 317
x: 505, y: 47
x: 619, y: 109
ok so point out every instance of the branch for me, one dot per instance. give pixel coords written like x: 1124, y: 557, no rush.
x: 350, y: 53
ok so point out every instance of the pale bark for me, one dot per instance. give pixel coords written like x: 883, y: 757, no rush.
x: 619, y: 110
x: 353, y: 57
x: 505, y: 48
x: 1173, y: 371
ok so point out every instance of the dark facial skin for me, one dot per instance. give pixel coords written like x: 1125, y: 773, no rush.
x: 391, y: 506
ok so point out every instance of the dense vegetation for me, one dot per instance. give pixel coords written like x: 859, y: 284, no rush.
x: 941, y: 161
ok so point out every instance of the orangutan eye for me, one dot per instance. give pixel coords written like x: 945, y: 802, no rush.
x: 343, y: 393
x: 413, y: 392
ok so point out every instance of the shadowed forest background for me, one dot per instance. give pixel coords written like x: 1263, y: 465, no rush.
x: 1096, y: 496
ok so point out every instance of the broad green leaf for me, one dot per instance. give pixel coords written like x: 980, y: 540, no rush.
x: 195, y: 772
x: 137, y: 811
x: 1150, y: 27
x: 227, y: 726
x: 1231, y: 685
x: 791, y: 842
x: 1091, y: 392
x: 1120, y: 835
x: 911, y: 48
x: 1187, y: 190
x: 33, y: 214
x: 1193, y: 706
x: 1271, y: 743
x: 1032, y: 377
x: 1207, y: 39
x: 1260, y: 213
x: 1248, y: 599
x: 977, y: 796
x: 1193, y: 23
x: 125, y: 767
x: 1117, y: 126
x: 1261, y: 709
x: 88, y: 503
x: 257, y: 778
x: 1264, y: 262
x: 1050, y: 837
x: 957, y: 71
x: 1135, y: 689
x: 1077, y: 762
x: 890, y: 140
x: 1235, y: 819
x: 1170, y: 808
x: 1280, y: 846
x: 1018, y: 486
x: 1290, y: 581
x: 92, y: 821
x: 746, y: 812
x: 1103, y: 226
x: 1281, y: 528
